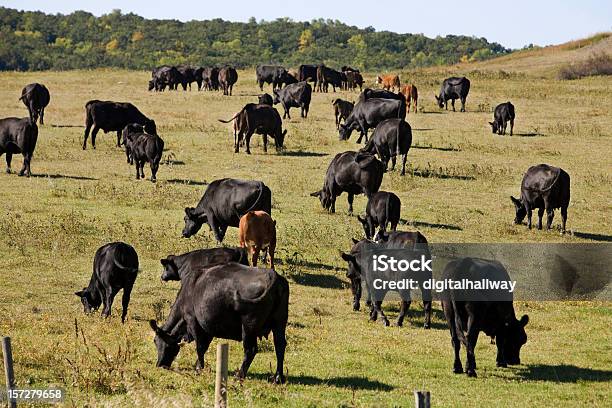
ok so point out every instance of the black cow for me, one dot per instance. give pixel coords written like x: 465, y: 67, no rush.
x: 18, y: 136
x: 227, y: 78
x: 383, y: 207
x: 504, y: 113
x: 308, y: 73
x: 224, y: 202
x: 543, y: 187
x: 130, y: 128
x: 165, y: 76
x: 467, y: 314
x: 265, y: 99
x: 187, y: 76
x: 143, y: 148
x: 353, y: 80
x: 261, y: 119
x: 177, y: 267
x: 342, y: 110
x: 115, y: 267
x: 198, y: 76
x: 357, y: 272
x: 229, y: 301
x: 327, y: 76
x: 113, y: 117
x: 453, y: 88
x: 210, y: 79
x: 353, y: 172
x: 380, y: 93
x: 391, y: 138
x: 36, y: 98
x: 368, y: 113
x: 294, y: 96
x: 273, y: 74
x: 348, y: 69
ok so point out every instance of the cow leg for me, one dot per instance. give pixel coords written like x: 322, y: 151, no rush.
x: 154, y: 168
x: 25, y: 169
x: 94, y: 133
x: 202, y: 340
x: 511, y: 126
x: 529, y: 214
x: 350, y: 199
x: 427, y: 308
x: 125, y: 301
x: 271, y: 250
x: 472, y: 339
x: 280, y: 344
x: 378, y: 308
x: 462, y: 104
x: 550, y: 214
x: 404, y: 306
x: 265, y: 143
x: 453, y: 103
x: 540, y: 215
x: 393, y: 160
x: 249, y: 344
x: 137, y: 170
x: 42, y: 116
x: 563, y: 218
x: 254, y: 255
x: 405, y: 156
x: 107, y: 300
x: 457, y: 366
x: 9, y: 158
x: 248, y: 141
x: 500, y: 359
x: 304, y: 111
x: 86, y: 135
x: 118, y: 138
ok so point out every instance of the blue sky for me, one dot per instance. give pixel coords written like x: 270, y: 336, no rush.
x: 513, y: 23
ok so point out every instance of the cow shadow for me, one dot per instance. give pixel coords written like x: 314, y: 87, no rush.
x: 531, y: 134
x: 302, y: 153
x: 308, y: 264
x: 318, y: 280
x: 443, y: 149
x: 433, y: 112
x: 594, y: 237
x: 424, y: 224
x: 66, y: 126
x: 63, y: 176
x: 187, y: 182
x: 351, y: 382
x: 422, y: 130
x: 563, y: 373
x: 429, y: 174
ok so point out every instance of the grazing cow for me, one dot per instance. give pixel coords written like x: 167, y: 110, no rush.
x: 130, y: 128
x: 354, y: 79
x: 115, y: 267
x: 187, y: 76
x: 294, y: 96
x: 543, y: 187
x: 504, y: 113
x: 228, y: 301
x: 368, y: 113
x: 391, y: 138
x: 143, y: 148
x: 36, y: 98
x: 257, y: 232
x: 210, y: 79
x: 411, y: 94
x: 18, y: 136
x: 273, y: 74
x: 380, y: 93
x: 261, y: 119
x: 353, y: 172
x: 470, y: 312
x: 227, y: 78
x: 342, y: 110
x: 327, y: 76
x: 224, y: 202
x: 358, y: 272
x: 308, y: 73
x: 265, y: 99
x: 166, y: 76
x: 382, y: 208
x: 177, y: 267
x: 113, y: 117
x: 389, y: 82
x: 453, y: 88
x: 198, y: 76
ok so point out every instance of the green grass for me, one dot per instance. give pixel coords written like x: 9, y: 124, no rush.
x: 457, y: 190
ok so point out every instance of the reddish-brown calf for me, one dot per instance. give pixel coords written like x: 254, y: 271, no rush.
x: 257, y: 232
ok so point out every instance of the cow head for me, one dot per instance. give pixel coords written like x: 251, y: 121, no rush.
x: 521, y: 211
x: 151, y: 85
x: 324, y: 198
x: 89, y: 299
x: 354, y: 274
x: 265, y: 99
x: 167, y: 346
x: 368, y: 226
x: 149, y: 127
x: 193, y: 222
x: 494, y: 127
x: 345, y: 132
x: 276, y: 97
x: 440, y: 101
x: 170, y: 269
x: 515, y: 338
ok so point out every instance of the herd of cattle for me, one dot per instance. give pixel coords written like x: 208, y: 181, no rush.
x: 223, y: 292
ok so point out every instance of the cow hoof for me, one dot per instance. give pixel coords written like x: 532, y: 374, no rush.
x: 471, y: 373
x: 8, y: 171
x: 21, y: 174
x: 427, y: 325
x: 399, y: 323
x: 502, y: 365
x: 458, y: 369
x: 386, y: 323
x: 277, y: 379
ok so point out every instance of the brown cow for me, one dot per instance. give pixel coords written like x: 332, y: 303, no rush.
x: 410, y: 93
x: 257, y: 231
x: 342, y: 110
x: 389, y: 82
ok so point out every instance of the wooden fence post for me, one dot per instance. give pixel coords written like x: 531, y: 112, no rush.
x: 422, y: 399
x: 221, y: 375
x: 8, y: 369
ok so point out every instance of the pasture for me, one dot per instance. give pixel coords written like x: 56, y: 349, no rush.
x: 457, y: 189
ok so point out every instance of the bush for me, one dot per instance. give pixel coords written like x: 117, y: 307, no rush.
x: 597, y: 64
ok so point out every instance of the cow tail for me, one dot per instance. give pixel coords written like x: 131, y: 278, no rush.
x: 129, y: 269
x: 234, y: 117
x: 388, y: 208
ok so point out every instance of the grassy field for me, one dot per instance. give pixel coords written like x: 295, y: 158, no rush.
x: 457, y: 190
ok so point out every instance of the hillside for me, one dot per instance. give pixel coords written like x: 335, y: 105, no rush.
x: 37, y: 41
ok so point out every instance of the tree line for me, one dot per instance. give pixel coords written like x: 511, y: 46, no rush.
x: 38, y: 41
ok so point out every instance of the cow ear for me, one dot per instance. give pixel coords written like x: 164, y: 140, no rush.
x: 80, y: 293
x: 516, y: 201
x: 347, y: 257
x: 316, y: 194
x: 524, y: 320
x: 354, y: 240
x: 165, y: 261
x: 189, y: 211
x: 361, y: 220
